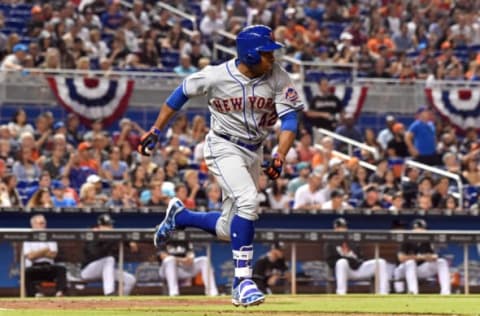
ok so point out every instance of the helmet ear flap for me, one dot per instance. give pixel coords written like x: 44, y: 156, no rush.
x: 252, y: 58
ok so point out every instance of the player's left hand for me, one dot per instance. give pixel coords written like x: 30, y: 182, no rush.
x: 273, y: 168
x: 148, y: 141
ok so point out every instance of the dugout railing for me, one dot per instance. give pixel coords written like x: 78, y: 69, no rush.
x: 290, y: 236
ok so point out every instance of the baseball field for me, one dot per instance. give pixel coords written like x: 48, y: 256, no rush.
x: 278, y: 305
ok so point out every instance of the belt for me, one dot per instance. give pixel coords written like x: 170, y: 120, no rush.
x: 235, y: 140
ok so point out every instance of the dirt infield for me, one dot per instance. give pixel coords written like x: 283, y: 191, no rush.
x: 152, y: 304
x: 113, y: 303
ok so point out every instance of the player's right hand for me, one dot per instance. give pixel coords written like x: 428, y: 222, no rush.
x: 148, y: 141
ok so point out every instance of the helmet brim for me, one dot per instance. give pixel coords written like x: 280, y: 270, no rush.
x: 269, y: 47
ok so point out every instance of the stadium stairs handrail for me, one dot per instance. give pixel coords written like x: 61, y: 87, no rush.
x: 444, y: 173
x: 176, y: 11
x: 349, y: 141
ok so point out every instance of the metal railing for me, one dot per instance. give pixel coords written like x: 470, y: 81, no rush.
x: 350, y: 142
x: 178, y: 12
x: 447, y: 174
x: 343, y: 156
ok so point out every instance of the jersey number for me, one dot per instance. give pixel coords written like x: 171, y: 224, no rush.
x: 268, y: 119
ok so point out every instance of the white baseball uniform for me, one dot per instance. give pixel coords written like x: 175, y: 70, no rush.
x: 243, y: 110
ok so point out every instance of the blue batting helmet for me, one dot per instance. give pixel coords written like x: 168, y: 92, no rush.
x: 252, y: 40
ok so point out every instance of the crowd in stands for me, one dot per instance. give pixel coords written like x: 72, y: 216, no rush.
x: 61, y: 164
x: 387, y: 38
x: 44, y: 162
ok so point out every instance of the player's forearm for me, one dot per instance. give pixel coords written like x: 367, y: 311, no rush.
x: 164, y: 116
x: 285, y: 142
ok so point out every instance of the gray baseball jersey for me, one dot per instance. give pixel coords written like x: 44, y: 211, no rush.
x: 243, y: 107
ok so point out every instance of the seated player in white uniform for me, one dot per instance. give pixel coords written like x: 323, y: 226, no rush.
x: 100, y: 258
x: 180, y: 264
x: 346, y: 260
x: 419, y: 261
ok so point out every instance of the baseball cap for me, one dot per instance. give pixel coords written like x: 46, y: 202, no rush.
x: 302, y: 165
x: 124, y: 120
x: 20, y: 48
x: 346, y: 36
x: 93, y: 178
x: 423, y: 108
x: 278, y: 245
x: 84, y: 146
x: 58, y: 125
x: 340, y: 222
x: 419, y: 223
x: 336, y: 193
x: 36, y: 9
x: 398, y: 127
x: 390, y: 118
x: 57, y: 185
x: 105, y: 219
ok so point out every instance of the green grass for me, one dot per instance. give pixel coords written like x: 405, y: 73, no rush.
x: 274, y: 306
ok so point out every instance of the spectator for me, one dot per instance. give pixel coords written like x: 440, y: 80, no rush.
x: 96, y: 47
x: 325, y: 109
x: 195, y: 191
x: 88, y: 196
x: 181, y: 193
x: 39, y: 262
x: 54, y: 164
x: 24, y: 169
x: 336, y: 202
x: 420, y: 138
x: 59, y: 198
x: 119, y: 196
x: 271, y: 269
x: 419, y: 261
x: 440, y: 194
x: 211, y: 22
x: 378, y: 177
x: 397, y: 147
x: 112, y: 18
x: 100, y: 257
x: 380, y: 39
x: 157, y: 198
x: 371, y: 141
x: 346, y: 260
x: 178, y: 262
x: 10, y: 181
x: 403, y: 41
x: 472, y: 172
x: 451, y: 204
x: 397, y: 203
x: 333, y: 181
x: 185, y: 67
x: 304, y: 146
x: 424, y: 202
x: 19, y: 124
x: 214, y: 196
x: 41, y: 199
x: 277, y: 195
x: 371, y: 200
x: 114, y: 168
x: 14, y: 61
x: 303, y: 170
x: 386, y: 134
x: 4, y: 196
x: 348, y: 129
x: 309, y: 196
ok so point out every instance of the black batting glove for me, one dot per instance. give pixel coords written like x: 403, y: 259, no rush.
x: 273, y: 168
x: 148, y: 141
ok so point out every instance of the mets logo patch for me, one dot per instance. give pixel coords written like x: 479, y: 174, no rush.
x: 291, y: 94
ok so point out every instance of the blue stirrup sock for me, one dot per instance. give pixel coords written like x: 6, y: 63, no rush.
x: 242, y: 232
x: 203, y: 220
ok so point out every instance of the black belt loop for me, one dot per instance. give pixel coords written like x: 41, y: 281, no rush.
x: 251, y: 147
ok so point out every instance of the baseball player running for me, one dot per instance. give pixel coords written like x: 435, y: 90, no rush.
x: 246, y: 96
x: 419, y: 261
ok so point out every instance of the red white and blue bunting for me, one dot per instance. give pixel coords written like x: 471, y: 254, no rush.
x: 352, y: 98
x: 93, y: 98
x: 460, y: 107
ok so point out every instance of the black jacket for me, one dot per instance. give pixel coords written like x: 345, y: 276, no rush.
x: 335, y: 252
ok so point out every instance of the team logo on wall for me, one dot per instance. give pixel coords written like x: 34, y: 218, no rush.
x: 459, y: 106
x: 93, y: 98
